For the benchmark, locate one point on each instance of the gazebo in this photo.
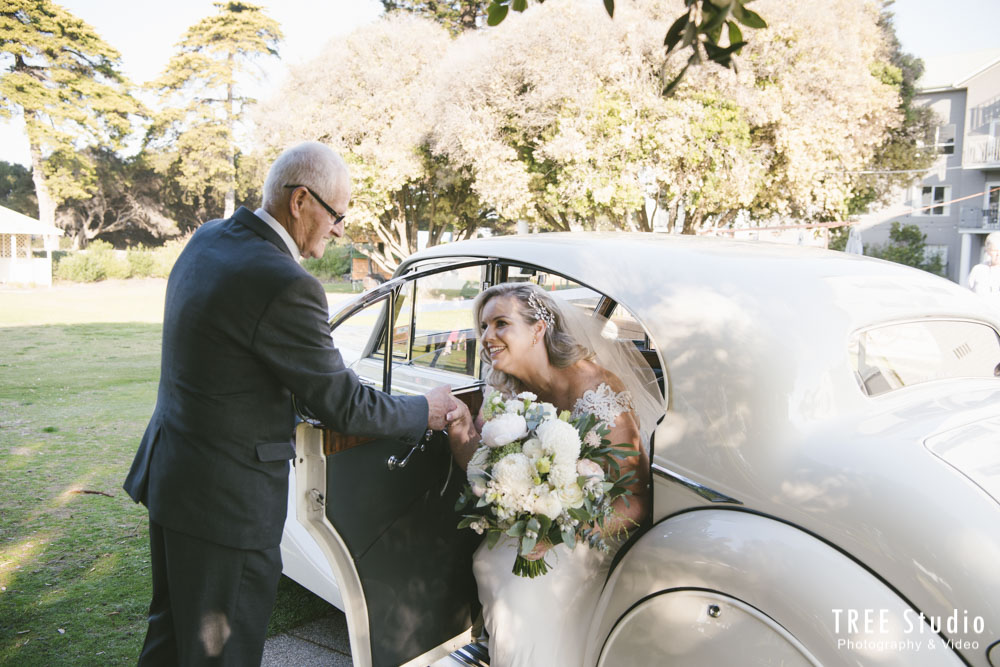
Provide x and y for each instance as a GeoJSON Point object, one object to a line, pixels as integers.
{"type": "Point", "coordinates": [17, 261]}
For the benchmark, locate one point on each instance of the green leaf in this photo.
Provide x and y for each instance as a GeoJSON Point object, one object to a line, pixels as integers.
{"type": "Point", "coordinates": [496, 13]}
{"type": "Point", "coordinates": [527, 544]}
{"type": "Point", "coordinates": [569, 537]}
{"type": "Point", "coordinates": [735, 34]}
{"type": "Point", "coordinates": [519, 5]}
{"type": "Point", "coordinates": [674, 33]}
{"type": "Point", "coordinates": [466, 522]}
{"type": "Point", "coordinates": [517, 530]}
{"type": "Point", "coordinates": [747, 17]}
{"type": "Point", "coordinates": [610, 6]}
{"type": "Point", "coordinates": [491, 538]}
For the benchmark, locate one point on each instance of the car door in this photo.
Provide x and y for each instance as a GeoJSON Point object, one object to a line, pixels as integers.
{"type": "Point", "coordinates": [383, 510]}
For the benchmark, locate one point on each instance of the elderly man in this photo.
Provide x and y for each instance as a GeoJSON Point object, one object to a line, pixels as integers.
{"type": "Point", "coordinates": [244, 327]}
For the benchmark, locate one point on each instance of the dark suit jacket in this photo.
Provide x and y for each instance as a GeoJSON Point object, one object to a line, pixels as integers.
{"type": "Point", "coordinates": [244, 325]}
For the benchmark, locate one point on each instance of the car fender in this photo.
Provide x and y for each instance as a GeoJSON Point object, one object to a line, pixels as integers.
{"type": "Point", "coordinates": [724, 586]}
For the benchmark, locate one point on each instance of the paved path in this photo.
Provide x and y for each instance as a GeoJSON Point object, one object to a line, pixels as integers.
{"type": "Point", "coordinates": [320, 642]}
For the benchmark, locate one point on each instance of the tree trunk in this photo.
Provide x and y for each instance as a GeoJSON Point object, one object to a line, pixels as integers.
{"type": "Point", "coordinates": [230, 200]}
{"type": "Point", "coordinates": [46, 205]}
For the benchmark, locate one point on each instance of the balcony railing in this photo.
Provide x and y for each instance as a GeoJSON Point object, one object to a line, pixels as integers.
{"type": "Point", "coordinates": [981, 151]}
{"type": "Point", "coordinates": [972, 217]}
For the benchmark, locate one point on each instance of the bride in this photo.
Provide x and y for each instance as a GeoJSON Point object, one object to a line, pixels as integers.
{"type": "Point", "coordinates": [533, 342]}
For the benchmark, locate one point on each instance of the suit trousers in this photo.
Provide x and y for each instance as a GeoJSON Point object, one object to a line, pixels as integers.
{"type": "Point", "coordinates": [211, 603]}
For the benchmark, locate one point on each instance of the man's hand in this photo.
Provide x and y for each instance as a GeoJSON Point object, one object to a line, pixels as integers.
{"type": "Point", "coordinates": [439, 403]}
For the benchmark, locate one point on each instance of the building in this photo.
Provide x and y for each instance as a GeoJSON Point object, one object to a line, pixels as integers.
{"type": "Point", "coordinates": [18, 263]}
{"type": "Point", "coordinates": [956, 203]}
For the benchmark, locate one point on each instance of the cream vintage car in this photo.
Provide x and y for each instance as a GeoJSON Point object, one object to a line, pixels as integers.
{"type": "Point", "coordinates": [826, 473]}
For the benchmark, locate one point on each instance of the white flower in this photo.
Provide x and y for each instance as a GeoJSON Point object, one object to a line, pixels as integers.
{"type": "Point", "coordinates": [588, 468]}
{"type": "Point", "coordinates": [560, 439]}
{"type": "Point", "coordinates": [548, 411]}
{"type": "Point", "coordinates": [514, 407]}
{"type": "Point", "coordinates": [548, 504]}
{"type": "Point", "coordinates": [503, 430]}
{"type": "Point", "coordinates": [562, 474]}
{"type": "Point", "coordinates": [527, 396]}
{"type": "Point", "coordinates": [532, 448]}
{"type": "Point", "coordinates": [570, 495]}
{"type": "Point", "coordinates": [513, 474]}
{"type": "Point", "coordinates": [479, 525]}
{"type": "Point", "coordinates": [592, 439]}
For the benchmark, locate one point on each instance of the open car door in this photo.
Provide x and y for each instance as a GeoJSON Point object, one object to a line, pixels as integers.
{"type": "Point", "coordinates": [383, 511]}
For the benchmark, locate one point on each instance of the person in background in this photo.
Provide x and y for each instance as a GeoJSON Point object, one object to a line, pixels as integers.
{"type": "Point", "coordinates": [985, 277]}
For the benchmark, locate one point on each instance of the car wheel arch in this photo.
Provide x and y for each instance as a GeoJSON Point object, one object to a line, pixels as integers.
{"type": "Point", "coordinates": [785, 573]}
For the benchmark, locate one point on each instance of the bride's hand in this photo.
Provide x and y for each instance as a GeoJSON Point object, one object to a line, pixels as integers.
{"type": "Point", "coordinates": [539, 551]}
{"type": "Point", "coordinates": [462, 434]}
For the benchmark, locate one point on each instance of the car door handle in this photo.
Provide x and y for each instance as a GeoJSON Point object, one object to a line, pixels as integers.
{"type": "Point", "coordinates": [393, 462]}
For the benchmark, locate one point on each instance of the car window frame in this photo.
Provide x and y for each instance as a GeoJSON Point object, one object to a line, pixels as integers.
{"type": "Point", "coordinates": [857, 333]}
{"type": "Point", "coordinates": [390, 290]}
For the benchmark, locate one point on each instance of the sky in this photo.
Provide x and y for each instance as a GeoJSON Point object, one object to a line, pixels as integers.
{"type": "Point", "coordinates": [145, 34]}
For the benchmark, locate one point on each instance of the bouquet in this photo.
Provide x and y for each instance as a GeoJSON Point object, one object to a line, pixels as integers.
{"type": "Point", "coordinates": [541, 476]}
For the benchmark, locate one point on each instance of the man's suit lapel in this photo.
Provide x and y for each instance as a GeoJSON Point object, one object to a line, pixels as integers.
{"type": "Point", "coordinates": [245, 217]}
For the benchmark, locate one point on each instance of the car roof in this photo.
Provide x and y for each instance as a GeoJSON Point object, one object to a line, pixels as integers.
{"type": "Point", "coordinates": [663, 278]}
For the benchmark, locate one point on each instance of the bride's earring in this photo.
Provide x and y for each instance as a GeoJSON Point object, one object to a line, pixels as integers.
{"type": "Point", "coordinates": [534, 340]}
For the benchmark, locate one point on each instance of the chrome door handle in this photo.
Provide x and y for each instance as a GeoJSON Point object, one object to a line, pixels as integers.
{"type": "Point", "coordinates": [393, 462]}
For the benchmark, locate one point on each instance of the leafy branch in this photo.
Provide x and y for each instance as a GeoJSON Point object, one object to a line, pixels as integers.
{"type": "Point", "coordinates": [700, 29]}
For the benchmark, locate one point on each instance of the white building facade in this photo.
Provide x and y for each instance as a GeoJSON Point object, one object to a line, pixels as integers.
{"type": "Point", "coordinates": [956, 203]}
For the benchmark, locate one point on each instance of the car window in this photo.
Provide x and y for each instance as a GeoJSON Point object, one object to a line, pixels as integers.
{"type": "Point", "coordinates": [354, 335]}
{"type": "Point", "coordinates": [902, 354]}
{"type": "Point", "coordinates": [568, 290]}
{"type": "Point", "coordinates": [626, 327]}
{"type": "Point", "coordinates": [443, 336]}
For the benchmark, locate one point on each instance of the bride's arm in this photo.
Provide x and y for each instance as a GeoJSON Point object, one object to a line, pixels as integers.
{"type": "Point", "coordinates": [628, 517]}
{"type": "Point", "coordinates": [463, 434]}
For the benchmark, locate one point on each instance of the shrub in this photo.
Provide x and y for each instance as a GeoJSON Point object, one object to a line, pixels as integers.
{"type": "Point", "coordinates": [141, 262]}
{"type": "Point", "coordinates": [334, 264]}
{"type": "Point", "coordinates": [907, 246]}
{"type": "Point", "coordinates": [100, 261]}
{"type": "Point", "coordinates": [97, 262]}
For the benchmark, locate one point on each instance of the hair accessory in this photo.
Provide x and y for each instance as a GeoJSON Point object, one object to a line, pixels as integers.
{"type": "Point", "coordinates": [540, 311]}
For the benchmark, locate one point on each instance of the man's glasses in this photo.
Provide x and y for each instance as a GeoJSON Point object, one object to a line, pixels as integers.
{"type": "Point", "coordinates": [337, 217]}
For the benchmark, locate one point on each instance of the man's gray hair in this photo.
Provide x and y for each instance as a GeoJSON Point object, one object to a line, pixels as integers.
{"type": "Point", "coordinates": [311, 163]}
{"type": "Point", "coordinates": [993, 240]}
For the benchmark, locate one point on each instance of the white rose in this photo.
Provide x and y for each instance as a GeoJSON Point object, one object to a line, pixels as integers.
{"type": "Point", "coordinates": [513, 474]}
{"type": "Point", "coordinates": [589, 468]}
{"type": "Point", "coordinates": [527, 396]}
{"type": "Point", "coordinates": [514, 407]}
{"type": "Point", "coordinates": [548, 504]}
{"type": "Point", "coordinates": [570, 495]}
{"type": "Point", "coordinates": [561, 439]}
{"type": "Point", "coordinates": [503, 430]}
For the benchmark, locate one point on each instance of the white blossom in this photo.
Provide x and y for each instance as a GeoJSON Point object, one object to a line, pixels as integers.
{"type": "Point", "coordinates": [560, 439]}
{"type": "Point", "coordinates": [504, 429]}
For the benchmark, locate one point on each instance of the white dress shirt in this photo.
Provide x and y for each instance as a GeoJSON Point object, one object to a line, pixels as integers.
{"type": "Point", "coordinates": [282, 232]}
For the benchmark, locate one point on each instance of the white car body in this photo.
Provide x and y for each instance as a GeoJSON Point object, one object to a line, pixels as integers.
{"type": "Point", "coordinates": [796, 520]}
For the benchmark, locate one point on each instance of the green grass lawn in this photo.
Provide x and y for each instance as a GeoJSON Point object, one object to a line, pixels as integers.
{"type": "Point", "coordinates": [74, 549]}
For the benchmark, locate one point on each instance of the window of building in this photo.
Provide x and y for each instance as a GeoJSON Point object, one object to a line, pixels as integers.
{"type": "Point", "coordinates": [934, 200]}
{"type": "Point", "coordinates": [944, 140]}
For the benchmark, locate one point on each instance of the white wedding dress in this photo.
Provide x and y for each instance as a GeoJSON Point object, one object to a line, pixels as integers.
{"type": "Point", "coordinates": [545, 621]}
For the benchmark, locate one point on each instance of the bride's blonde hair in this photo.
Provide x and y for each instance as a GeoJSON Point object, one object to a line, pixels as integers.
{"type": "Point", "coordinates": [533, 304]}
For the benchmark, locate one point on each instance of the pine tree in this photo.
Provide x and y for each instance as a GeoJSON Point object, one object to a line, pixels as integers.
{"type": "Point", "coordinates": [66, 83]}
{"type": "Point", "coordinates": [194, 135]}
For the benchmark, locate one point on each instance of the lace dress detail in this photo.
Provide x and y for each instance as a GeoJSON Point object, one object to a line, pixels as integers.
{"type": "Point", "coordinates": [604, 402]}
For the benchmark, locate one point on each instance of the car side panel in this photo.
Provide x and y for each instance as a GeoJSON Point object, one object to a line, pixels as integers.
{"type": "Point", "coordinates": [789, 576]}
